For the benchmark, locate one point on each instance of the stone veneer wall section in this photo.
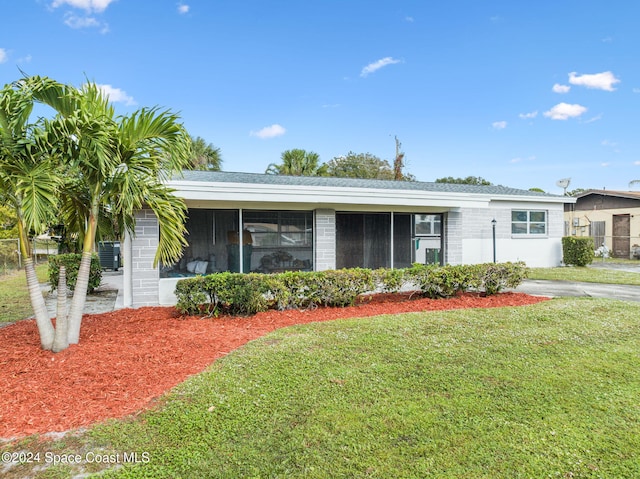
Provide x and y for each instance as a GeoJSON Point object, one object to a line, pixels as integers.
{"type": "Point", "coordinates": [144, 277]}
{"type": "Point", "coordinates": [325, 238]}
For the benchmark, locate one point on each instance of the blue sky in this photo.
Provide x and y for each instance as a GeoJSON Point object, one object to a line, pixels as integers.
{"type": "Point", "coordinates": [520, 93]}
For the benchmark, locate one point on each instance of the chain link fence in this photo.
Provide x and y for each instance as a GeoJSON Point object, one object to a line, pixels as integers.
{"type": "Point", "coordinates": [11, 260]}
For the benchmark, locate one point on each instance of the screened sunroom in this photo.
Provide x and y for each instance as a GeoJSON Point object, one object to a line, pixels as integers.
{"type": "Point", "coordinates": [267, 241]}
{"type": "Point", "coordinates": [245, 240]}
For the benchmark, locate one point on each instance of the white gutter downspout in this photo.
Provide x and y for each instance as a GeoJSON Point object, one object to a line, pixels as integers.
{"type": "Point", "coordinates": [241, 241]}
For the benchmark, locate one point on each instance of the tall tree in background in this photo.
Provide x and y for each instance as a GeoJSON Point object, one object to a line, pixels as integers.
{"type": "Point", "coordinates": [469, 180]}
{"type": "Point", "coordinates": [8, 223]}
{"type": "Point", "coordinates": [360, 165]}
{"type": "Point", "coordinates": [298, 162]}
{"type": "Point", "coordinates": [398, 162]}
{"type": "Point", "coordinates": [204, 156]}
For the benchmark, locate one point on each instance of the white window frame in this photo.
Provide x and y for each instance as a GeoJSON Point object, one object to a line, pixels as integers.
{"type": "Point", "coordinates": [528, 223]}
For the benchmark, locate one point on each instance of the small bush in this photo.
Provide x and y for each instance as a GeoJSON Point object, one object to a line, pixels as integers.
{"type": "Point", "coordinates": [72, 264]}
{"type": "Point", "coordinates": [577, 250]}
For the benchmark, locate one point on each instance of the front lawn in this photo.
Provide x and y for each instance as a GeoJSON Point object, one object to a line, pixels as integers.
{"type": "Point", "coordinates": [549, 390]}
{"type": "Point", "coordinates": [14, 295]}
{"type": "Point", "coordinates": [586, 274]}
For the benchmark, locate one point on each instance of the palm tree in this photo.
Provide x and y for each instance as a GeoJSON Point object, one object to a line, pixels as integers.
{"type": "Point", "coordinates": [120, 164]}
{"type": "Point", "coordinates": [27, 181]}
{"type": "Point", "coordinates": [298, 162]}
{"type": "Point", "coordinates": [204, 156]}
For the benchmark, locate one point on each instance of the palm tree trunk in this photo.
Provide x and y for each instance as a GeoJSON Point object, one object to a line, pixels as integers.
{"type": "Point", "coordinates": [82, 282]}
{"type": "Point", "coordinates": [61, 340]}
{"type": "Point", "coordinates": [79, 298]}
{"type": "Point", "coordinates": [43, 321]}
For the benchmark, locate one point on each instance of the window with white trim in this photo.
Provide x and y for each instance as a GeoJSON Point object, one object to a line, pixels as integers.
{"type": "Point", "coordinates": [528, 222]}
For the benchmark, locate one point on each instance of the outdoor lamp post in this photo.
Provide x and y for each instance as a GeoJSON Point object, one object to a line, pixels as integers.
{"type": "Point", "coordinates": [493, 227]}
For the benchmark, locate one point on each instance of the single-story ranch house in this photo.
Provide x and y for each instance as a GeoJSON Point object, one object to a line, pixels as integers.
{"type": "Point", "coordinates": [611, 218]}
{"type": "Point", "coordinates": [271, 223]}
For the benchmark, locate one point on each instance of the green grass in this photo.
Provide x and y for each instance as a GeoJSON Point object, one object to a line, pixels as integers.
{"type": "Point", "coordinates": [549, 390]}
{"type": "Point", "coordinates": [14, 295]}
{"type": "Point", "coordinates": [586, 274]}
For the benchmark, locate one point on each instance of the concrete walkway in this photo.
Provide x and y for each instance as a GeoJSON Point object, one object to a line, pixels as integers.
{"type": "Point", "coordinates": [107, 297]}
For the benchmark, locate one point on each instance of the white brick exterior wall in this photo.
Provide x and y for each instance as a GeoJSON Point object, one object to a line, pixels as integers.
{"type": "Point", "coordinates": [325, 238]}
{"type": "Point", "coordinates": [453, 237]}
{"type": "Point", "coordinates": [144, 277]}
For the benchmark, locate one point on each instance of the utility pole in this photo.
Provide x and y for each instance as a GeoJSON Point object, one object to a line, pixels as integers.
{"type": "Point", "coordinates": [398, 162]}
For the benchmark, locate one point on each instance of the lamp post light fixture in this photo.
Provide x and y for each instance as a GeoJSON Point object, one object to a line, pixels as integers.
{"type": "Point", "coordinates": [493, 227]}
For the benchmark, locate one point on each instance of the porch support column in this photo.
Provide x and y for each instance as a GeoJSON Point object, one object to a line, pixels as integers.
{"type": "Point", "coordinates": [324, 237]}
{"type": "Point", "coordinates": [127, 275]}
{"type": "Point", "coordinates": [391, 243]}
{"type": "Point", "coordinates": [241, 241]}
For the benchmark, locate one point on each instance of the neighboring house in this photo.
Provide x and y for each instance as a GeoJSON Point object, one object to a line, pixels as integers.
{"type": "Point", "coordinates": [611, 218]}
{"type": "Point", "coordinates": [271, 223]}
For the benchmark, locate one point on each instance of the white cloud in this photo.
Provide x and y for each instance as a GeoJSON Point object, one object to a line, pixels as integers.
{"type": "Point", "coordinates": [637, 163]}
{"type": "Point", "coordinates": [73, 21]}
{"type": "Point", "coordinates": [636, 90]}
{"type": "Point", "coordinates": [499, 125]}
{"type": "Point", "coordinates": [611, 144]}
{"type": "Point", "coordinates": [269, 131]}
{"type": "Point", "coordinates": [408, 19]}
{"type": "Point", "coordinates": [87, 5]}
{"type": "Point", "coordinates": [26, 59]}
{"type": "Point", "coordinates": [564, 111]}
{"type": "Point", "coordinates": [595, 118]}
{"type": "Point", "coordinates": [182, 8]}
{"type": "Point", "coordinates": [599, 81]}
{"type": "Point", "coordinates": [605, 164]}
{"type": "Point", "coordinates": [116, 95]}
{"type": "Point", "coordinates": [557, 88]}
{"type": "Point", "coordinates": [377, 65]}
{"type": "Point", "coordinates": [4, 56]}
{"type": "Point", "coordinates": [526, 116]}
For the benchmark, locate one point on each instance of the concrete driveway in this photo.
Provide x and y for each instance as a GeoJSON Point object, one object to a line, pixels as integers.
{"type": "Point", "coordinates": [593, 290]}
{"type": "Point", "coordinates": [556, 289]}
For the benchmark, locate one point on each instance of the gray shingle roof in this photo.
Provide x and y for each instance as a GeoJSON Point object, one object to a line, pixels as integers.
{"type": "Point", "coordinates": [257, 178]}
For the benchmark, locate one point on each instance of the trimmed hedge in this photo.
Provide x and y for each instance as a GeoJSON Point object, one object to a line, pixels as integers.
{"type": "Point", "coordinates": [247, 294]}
{"type": "Point", "coordinates": [72, 264]}
{"type": "Point", "coordinates": [577, 250]}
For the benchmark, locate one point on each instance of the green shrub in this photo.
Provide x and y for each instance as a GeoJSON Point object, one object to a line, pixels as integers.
{"type": "Point", "coordinates": [231, 293]}
{"type": "Point", "coordinates": [72, 264]}
{"type": "Point", "coordinates": [342, 287]}
{"type": "Point", "coordinates": [436, 281]}
{"type": "Point", "coordinates": [494, 277]}
{"type": "Point", "coordinates": [577, 250]}
{"type": "Point", "coordinates": [246, 294]}
{"type": "Point", "coordinates": [390, 280]}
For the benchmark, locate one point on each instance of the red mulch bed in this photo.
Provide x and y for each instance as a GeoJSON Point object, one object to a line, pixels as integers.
{"type": "Point", "coordinates": [128, 358]}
